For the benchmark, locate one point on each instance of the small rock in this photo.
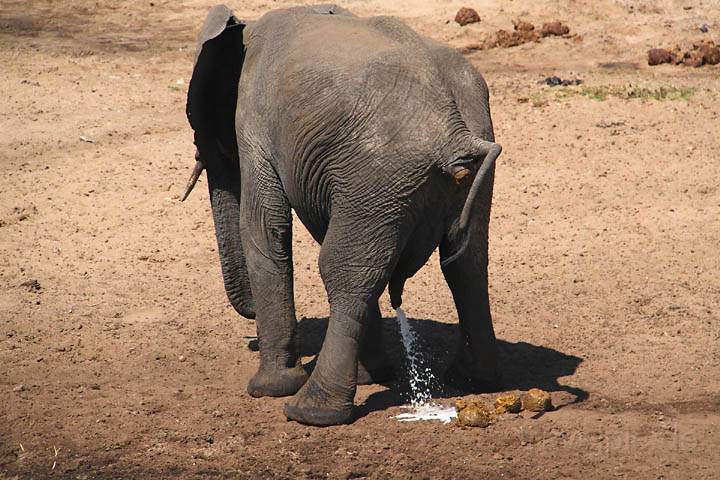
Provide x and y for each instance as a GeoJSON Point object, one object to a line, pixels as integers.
{"type": "Point", "coordinates": [556, 28]}
{"type": "Point", "coordinates": [19, 388]}
{"type": "Point", "coordinates": [466, 15]}
{"type": "Point", "coordinates": [536, 400]}
{"type": "Point", "coordinates": [209, 439]}
{"type": "Point", "coordinates": [31, 285]}
{"type": "Point", "coordinates": [704, 28]}
{"type": "Point", "coordinates": [85, 139]}
{"type": "Point", "coordinates": [657, 56]}
{"type": "Point", "coordinates": [181, 358]}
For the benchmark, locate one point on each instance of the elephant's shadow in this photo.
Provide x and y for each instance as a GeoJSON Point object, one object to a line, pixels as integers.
{"type": "Point", "coordinates": [523, 365]}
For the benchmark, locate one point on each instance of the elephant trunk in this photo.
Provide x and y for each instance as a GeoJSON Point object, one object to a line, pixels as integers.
{"type": "Point", "coordinates": [224, 186]}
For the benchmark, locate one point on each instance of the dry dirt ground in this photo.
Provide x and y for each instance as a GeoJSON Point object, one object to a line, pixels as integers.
{"type": "Point", "coordinates": [125, 360]}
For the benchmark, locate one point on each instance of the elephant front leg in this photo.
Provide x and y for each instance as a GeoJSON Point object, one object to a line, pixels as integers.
{"type": "Point", "coordinates": [267, 240]}
{"type": "Point", "coordinates": [475, 367]}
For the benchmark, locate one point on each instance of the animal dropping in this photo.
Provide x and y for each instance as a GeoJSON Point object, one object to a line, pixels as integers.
{"type": "Point", "coordinates": [536, 400]}
{"type": "Point", "coordinates": [466, 16]}
{"type": "Point", "coordinates": [508, 403]}
{"type": "Point", "coordinates": [556, 28]}
{"type": "Point", "coordinates": [473, 414]}
{"type": "Point", "coordinates": [701, 53]}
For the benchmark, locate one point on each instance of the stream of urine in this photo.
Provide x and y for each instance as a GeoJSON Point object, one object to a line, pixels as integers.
{"type": "Point", "coordinates": [421, 406]}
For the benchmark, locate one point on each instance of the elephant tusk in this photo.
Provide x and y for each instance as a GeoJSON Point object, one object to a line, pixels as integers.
{"type": "Point", "coordinates": [199, 167]}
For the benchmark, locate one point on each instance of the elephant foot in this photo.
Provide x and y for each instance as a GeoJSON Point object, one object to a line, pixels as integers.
{"type": "Point", "coordinates": [313, 406]}
{"type": "Point", "coordinates": [372, 375]}
{"type": "Point", "coordinates": [277, 383]}
{"type": "Point", "coordinates": [473, 379]}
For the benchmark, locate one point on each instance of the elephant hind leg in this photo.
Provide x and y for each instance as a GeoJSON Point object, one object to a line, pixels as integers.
{"type": "Point", "coordinates": [355, 274]}
{"type": "Point", "coordinates": [475, 367]}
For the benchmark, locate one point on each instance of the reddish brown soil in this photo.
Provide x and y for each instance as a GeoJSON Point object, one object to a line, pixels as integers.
{"type": "Point", "coordinates": [604, 260]}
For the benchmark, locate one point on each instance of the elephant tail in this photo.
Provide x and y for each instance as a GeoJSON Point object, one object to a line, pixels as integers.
{"type": "Point", "coordinates": [488, 152]}
{"type": "Point", "coordinates": [485, 153]}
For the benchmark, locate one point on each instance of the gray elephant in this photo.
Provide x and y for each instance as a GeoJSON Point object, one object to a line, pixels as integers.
{"type": "Point", "coordinates": [381, 141]}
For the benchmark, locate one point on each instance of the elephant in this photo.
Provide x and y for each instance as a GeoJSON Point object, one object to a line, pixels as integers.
{"type": "Point", "coordinates": [381, 142]}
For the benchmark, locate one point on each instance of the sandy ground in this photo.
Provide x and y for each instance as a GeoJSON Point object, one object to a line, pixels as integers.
{"type": "Point", "coordinates": [125, 360]}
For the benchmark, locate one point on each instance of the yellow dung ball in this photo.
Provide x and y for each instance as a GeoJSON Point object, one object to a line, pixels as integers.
{"type": "Point", "coordinates": [473, 414]}
{"type": "Point", "coordinates": [508, 403]}
{"type": "Point", "coordinates": [536, 400]}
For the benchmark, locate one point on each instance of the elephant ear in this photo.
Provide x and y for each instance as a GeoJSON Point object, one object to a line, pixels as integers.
{"type": "Point", "coordinates": [213, 89]}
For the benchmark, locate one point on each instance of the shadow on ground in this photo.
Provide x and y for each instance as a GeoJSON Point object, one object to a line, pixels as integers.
{"type": "Point", "coordinates": [523, 365]}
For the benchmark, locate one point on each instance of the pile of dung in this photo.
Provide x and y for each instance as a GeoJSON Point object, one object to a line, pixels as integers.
{"type": "Point", "coordinates": [523, 32]}
{"type": "Point", "coordinates": [704, 52]}
{"type": "Point", "coordinates": [475, 413]}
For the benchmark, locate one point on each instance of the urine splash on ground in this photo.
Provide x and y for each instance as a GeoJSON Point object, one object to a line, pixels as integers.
{"type": "Point", "coordinates": [422, 381]}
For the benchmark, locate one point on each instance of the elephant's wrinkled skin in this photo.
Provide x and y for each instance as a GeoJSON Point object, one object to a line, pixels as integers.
{"type": "Point", "coordinates": [381, 141]}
